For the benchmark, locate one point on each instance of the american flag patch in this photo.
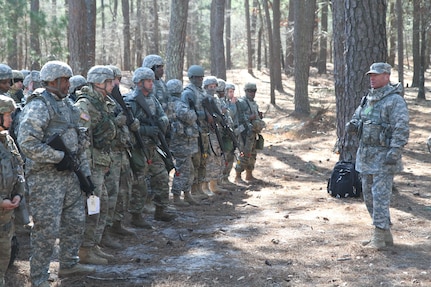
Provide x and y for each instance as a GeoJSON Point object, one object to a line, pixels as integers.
{"type": "Point", "coordinates": [85, 117]}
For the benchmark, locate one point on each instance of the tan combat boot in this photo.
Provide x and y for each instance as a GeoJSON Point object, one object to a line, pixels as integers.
{"type": "Point", "coordinates": [249, 175]}
{"type": "Point", "coordinates": [139, 222]}
{"type": "Point", "coordinates": [215, 188]}
{"type": "Point", "coordinates": [238, 178]}
{"type": "Point", "coordinates": [198, 192]}
{"type": "Point", "coordinates": [161, 215]}
{"type": "Point", "coordinates": [189, 198]}
{"type": "Point", "coordinates": [179, 202]}
{"type": "Point", "coordinates": [118, 229]}
{"type": "Point", "coordinates": [109, 241]}
{"type": "Point", "coordinates": [149, 207]}
{"type": "Point", "coordinates": [77, 269]}
{"type": "Point", "coordinates": [389, 240]}
{"type": "Point", "coordinates": [206, 189]}
{"type": "Point", "coordinates": [378, 240]}
{"type": "Point", "coordinates": [99, 252]}
{"type": "Point", "coordinates": [87, 255]}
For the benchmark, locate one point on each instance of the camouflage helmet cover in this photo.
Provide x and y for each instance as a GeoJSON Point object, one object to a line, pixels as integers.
{"type": "Point", "coordinates": [17, 75]}
{"type": "Point", "coordinates": [229, 86]}
{"type": "Point", "coordinates": [174, 86]}
{"type": "Point", "coordinates": [195, 71]}
{"type": "Point", "coordinates": [7, 104]}
{"type": "Point", "coordinates": [53, 70]}
{"type": "Point", "coordinates": [27, 80]}
{"type": "Point", "coordinates": [75, 82]}
{"type": "Point", "coordinates": [99, 74]}
{"type": "Point", "coordinates": [35, 76]}
{"type": "Point", "coordinates": [250, 86]}
{"type": "Point", "coordinates": [221, 85]}
{"type": "Point", "coordinates": [210, 80]}
{"type": "Point", "coordinates": [116, 70]}
{"type": "Point", "coordinates": [25, 72]}
{"type": "Point", "coordinates": [5, 72]}
{"type": "Point", "coordinates": [152, 60]}
{"type": "Point", "coordinates": [143, 73]}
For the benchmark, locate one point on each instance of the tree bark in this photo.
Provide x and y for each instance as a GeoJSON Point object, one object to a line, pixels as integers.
{"type": "Point", "coordinates": [323, 51]}
{"type": "Point", "coordinates": [126, 35]}
{"type": "Point", "coordinates": [218, 60]}
{"type": "Point", "coordinates": [35, 52]}
{"type": "Point", "coordinates": [248, 33]}
{"type": "Point", "coordinates": [228, 34]}
{"type": "Point", "coordinates": [400, 42]}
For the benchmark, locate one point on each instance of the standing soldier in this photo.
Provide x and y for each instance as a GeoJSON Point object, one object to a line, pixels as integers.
{"type": "Point", "coordinates": [184, 143]}
{"type": "Point", "coordinates": [146, 160]}
{"type": "Point", "coordinates": [77, 82]}
{"type": "Point", "coordinates": [56, 202]}
{"type": "Point", "coordinates": [160, 91]}
{"type": "Point", "coordinates": [5, 78]}
{"type": "Point", "coordinates": [15, 91]}
{"type": "Point", "coordinates": [12, 183]}
{"type": "Point", "coordinates": [96, 116]}
{"type": "Point", "coordinates": [251, 120]}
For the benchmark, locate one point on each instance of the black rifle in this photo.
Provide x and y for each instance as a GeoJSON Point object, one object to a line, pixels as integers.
{"type": "Point", "coordinates": [211, 107]}
{"type": "Point", "coordinates": [57, 143]}
{"type": "Point", "coordinates": [200, 142]}
{"type": "Point", "coordinates": [160, 141]}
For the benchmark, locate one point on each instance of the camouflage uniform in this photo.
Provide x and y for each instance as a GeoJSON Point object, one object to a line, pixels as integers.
{"type": "Point", "coordinates": [160, 90]}
{"type": "Point", "coordinates": [11, 185]}
{"type": "Point", "coordinates": [56, 201]}
{"type": "Point", "coordinates": [96, 115]}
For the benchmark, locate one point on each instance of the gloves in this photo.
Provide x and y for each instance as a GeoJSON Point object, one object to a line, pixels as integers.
{"type": "Point", "coordinates": [393, 156]}
{"type": "Point", "coordinates": [65, 164]}
{"type": "Point", "coordinates": [134, 126]}
{"type": "Point", "coordinates": [120, 120]}
{"type": "Point", "coordinates": [149, 131]}
{"type": "Point", "coordinates": [88, 187]}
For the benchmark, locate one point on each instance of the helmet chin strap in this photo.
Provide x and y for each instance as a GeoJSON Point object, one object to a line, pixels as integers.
{"type": "Point", "coordinates": [102, 89]}
{"type": "Point", "coordinates": [56, 90]}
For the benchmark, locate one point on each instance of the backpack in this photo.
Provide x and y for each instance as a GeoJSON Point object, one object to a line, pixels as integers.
{"type": "Point", "coordinates": [344, 181]}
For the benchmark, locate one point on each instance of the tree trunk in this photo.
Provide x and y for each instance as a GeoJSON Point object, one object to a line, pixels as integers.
{"type": "Point", "coordinates": [248, 33]}
{"type": "Point", "coordinates": [177, 39]}
{"type": "Point", "coordinates": [277, 51]}
{"type": "Point", "coordinates": [303, 35]}
{"type": "Point", "coordinates": [90, 34]}
{"type": "Point", "coordinates": [423, 41]}
{"type": "Point", "coordinates": [138, 39]}
{"type": "Point", "coordinates": [156, 31]}
{"type": "Point", "coordinates": [35, 51]}
{"type": "Point", "coordinates": [228, 34]}
{"type": "Point", "coordinates": [323, 51]}
{"type": "Point", "coordinates": [416, 42]}
{"type": "Point", "coordinates": [126, 35]}
{"type": "Point", "coordinates": [77, 36]}
{"type": "Point", "coordinates": [218, 61]}
{"type": "Point", "coordinates": [271, 50]}
{"type": "Point", "coordinates": [392, 33]}
{"type": "Point", "coordinates": [400, 42]}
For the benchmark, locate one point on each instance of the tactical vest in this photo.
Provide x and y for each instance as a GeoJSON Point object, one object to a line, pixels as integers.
{"type": "Point", "coordinates": [10, 165]}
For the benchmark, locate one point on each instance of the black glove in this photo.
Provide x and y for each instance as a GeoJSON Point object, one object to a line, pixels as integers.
{"type": "Point", "coordinates": [392, 156]}
{"type": "Point", "coordinates": [150, 131]}
{"type": "Point", "coordinates": [88, 187]}
{"type": "Point", "coordinates": [65, 164]}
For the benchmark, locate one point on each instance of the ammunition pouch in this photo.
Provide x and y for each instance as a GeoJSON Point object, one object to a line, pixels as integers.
{"type": "Point", "coordinates": [260, 141]}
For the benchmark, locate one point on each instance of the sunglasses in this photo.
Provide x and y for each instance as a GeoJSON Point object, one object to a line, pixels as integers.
{"type": "Point", "coordinates": [251, 91]}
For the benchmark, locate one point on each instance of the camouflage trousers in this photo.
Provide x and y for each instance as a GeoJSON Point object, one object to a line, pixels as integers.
{"type": "Point", "coordinates": [57, 207]}
{"type": "Point", "coordinates": [6, 233]}
{"type": "Point", "coordinates": [230, 159]}
{"type": "Point", "coordinates": [158, 182]}
{"type": "Point", "coordinates": [247, 158]}
{"type": "Point", "coordinates": [183, 177]}
{"type": "Point", "coordinates": [199, 160]}
{"type": "Point", "coordinates": [377, 191]}
{"type": "Point", "coordinates": [118, 185]}
{"type": "Point", "coordinates": [95, 224]}
{"type": "Point", "coordinates": [215, 162]}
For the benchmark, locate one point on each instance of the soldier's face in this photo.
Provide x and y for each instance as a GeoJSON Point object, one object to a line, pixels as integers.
{"type": "Point", "coordinates": [158, 71]}
{"type": "Point", "coordinates": [379, 80]}
{"type": "Point", "coordinates": [64, 85]}
{"type": "Point", "coordinates": [7, 120]}
{"type": "Point", "coordinates": [230, 93]}
{"type": "Point", "coordinates": [4, 85]}
{"type": "Point", "coordinates": [250, 94]}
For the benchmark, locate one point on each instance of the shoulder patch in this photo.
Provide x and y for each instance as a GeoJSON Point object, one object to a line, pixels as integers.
{"type": "Point", "coordinates": [85, 117]}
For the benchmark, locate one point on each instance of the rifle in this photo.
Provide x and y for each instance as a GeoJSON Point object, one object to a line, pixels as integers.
{"type": "Point", "coordinates": [86, 184]}
{"type": "Point", "coordinates": [211, 107]}
{"type": "Point", "coordinates": [201, 145]}
{"type": "Point", "coordinates": [160, 141]}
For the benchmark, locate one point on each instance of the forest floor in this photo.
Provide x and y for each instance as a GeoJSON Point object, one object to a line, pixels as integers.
{"type": "Point", "coordinates": [284, 230]}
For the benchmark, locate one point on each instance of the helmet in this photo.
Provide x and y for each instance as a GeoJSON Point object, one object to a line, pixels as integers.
{"type": "Point", "coordinates": [143, 74]}
{"type": "Point", "coordinates": [5, 72]}
{"type": "Point", "coordinates": [99, 74]}
{"type": "Point", "coordinates": [152, 60]}
{"type": "Point", "coordinates": [27, 80]}
{"type": "Point", "coordinates": [25, 73]}
{"type": "Point", "coordinates": [195, 71]}
{"type": "Point", "coordinates": [7, 104]}
{"type": "Point", "coordinates": [210, 80]}
{"type": "Point", "coordinates": [221, 85]}
{"type": "Point", "coordinates": [17, 75]}
{"type": "Point", "coordinates": [174, 86]}
{"type": "Point", "coordinates": [75, 82]}
{"type": "Point", "coordinates": [229, 86]}
{"type": "Point", "coordinates": [35, 76]}
{"type": "Point", "coordinates": [116, 70]}
{"type": "Point", "coordinates": [250, 86]}
{"type": "Point", "coordinates": [53, 70]}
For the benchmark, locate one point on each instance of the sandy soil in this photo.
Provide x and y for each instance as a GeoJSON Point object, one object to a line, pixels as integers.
{"type": "Point", "coordinates": [284, 230]}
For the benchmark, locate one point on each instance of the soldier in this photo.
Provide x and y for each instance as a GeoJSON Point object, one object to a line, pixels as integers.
{"type": "Point", "coordinates": [96, 115]}
{"type": "Point", "coordinates": [184, 143]}
{"type": "Point", "coordinates": [15, 91]}
{"type": "Point", "coordinates": [382, 120]}
{"type": "Point", "coordinates": [12, 187]}
{"type": "Point", "coordinates": [146, 160]}
{"type": "Point", "coordinates": [160, 91]}
{"type": "Point", "coordinates": [56, 200]}
{"type": "Point", "coordinates": [5, 78]}
{"type": "Point", "coordinates": [77, 82]}
{"type": "Point", "coordinates": [250, 118]}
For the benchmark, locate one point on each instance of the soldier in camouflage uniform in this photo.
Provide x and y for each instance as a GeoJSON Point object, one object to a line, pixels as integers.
{"type": "Point", "coordinates": [160, 90]}
{"type": "Point", "coordinates": [77, 82]}
{"type": "Point", "coordinates": [15, 91]}
{"type": "Point", "coordinates": [5, 77]}
{"type": "Point", "coordinates": [147, 161]}
{"type": "Point", "coordinates": [96, 115]}
{"type": "Point", "coordinates": [382, 123]}
{"type": "Point", "coordinates": [184, 143]}
{"type": "Point", "coordinates": [11, 182]}
{"type": "Point", "coordinates": [56, 201]}
{"type": "Point", "coordinates": [251, 120]}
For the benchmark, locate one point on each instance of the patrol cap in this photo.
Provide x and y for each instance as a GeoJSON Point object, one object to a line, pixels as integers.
{"type": "Point", "coordinates": [380, 68]}
{"type": "Point", "coordinates": [250, 86]}
{"type": "Point", "coordinates": [99, 74]}
{"type": "Point", "coordinates": [7, 104]}
{"type": "Point", "coordinates": [143, 73]}
{"type": "Point", "coordinates": [5, 72]}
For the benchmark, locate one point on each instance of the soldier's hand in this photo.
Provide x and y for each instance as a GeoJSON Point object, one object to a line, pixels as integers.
{"type": "Point", "coordinates": [393, 155]}
{"type": "Point", "coordinates": [134, 126]}
{"type": "Point", "coordinates": [120, 120]}
{"type": "Point", "coordinates": [150, 131]}
{"type": "Point", "coordinates": [65, 164]}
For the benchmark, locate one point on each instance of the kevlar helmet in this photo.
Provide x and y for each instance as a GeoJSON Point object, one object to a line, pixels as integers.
{"type": "Point", "coordinates": [7, 104]}
{"type": "Point", "coordinates": [143, 73]}
{"type": "Point", "coordinates": [75, 82]}
{"type": "Point", "coordinates": [229, 86]}
{"type": "Point", "coordinates": [152, 60]}
{"type": "Point", "coordinates": [99, 74]}
{"type": "Point", "coordinates": [25, 73]}
{"type": "Point", "coordinates": [27, 80]}
{"type": "Point", "coordinates": [195, 71]}
{"type": "Point", "coordinates": [53, 70]}
{"type": "Point", "coordinates": [250, 86]}
{"type": "Point", "coordinates": [221, 85]}
{"type": "Point", "coordinates": [174, 86]}
{"type": "Point", "coordinates": [116, 70]}
{"type": "Point", "coordinates": [5, 72]}
{"type": "Point", "coordinates": [210, 80]}
{"type": "Point", "coordinates": [17, 76]}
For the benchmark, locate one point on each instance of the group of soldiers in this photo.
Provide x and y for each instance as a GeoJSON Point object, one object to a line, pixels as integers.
{"type": "Point", "coordinates": [80, 136]}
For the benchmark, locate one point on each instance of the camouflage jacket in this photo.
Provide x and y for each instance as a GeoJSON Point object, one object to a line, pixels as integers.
{"type": "Point", "coordinates": [11, 167]}
{"type": "Point", "coordinates": [161, 93]}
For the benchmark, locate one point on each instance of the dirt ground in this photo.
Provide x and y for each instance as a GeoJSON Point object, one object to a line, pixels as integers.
{"type": "Point", "coordinates": [284, 230]}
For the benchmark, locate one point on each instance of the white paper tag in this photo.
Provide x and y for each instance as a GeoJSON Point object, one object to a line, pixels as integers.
{"type": "Point", "coordinates": [93, 205]}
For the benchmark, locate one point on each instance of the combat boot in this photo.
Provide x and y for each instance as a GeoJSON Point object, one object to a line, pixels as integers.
{"type": "Point", "coordinates": [109, 241]}
{"type": "Point", "coordinates": [378, 240]}
{"type": "Point", "coordinates": [249, 175]}
{"type": "Point", "coordinates": [215, 188]}
{"type": "Point", "coordinates": [189, 198]}
{"type": "Point", "coordinates": [139, 222]}
{"type": "Point", "coordinates": [149, 207]}
{"type": "Point", "coordinates": [118, 229]}
{"type": "Point", "coordinates": [389, 240]}
{"type": "Point", "coordinates": [179, 202]}
{"type": "Point", "coordinates": [161, 215]}
{"type": "Point", "coordinates": [76, 269]}
{"type": "Point", "coordinates": [206, 189]}
{"type": "Point", "coordinates": [87, 255]}
{"type": "Point", "coordinates": [197, 191]}
{"type": "Point", "coordinates": [99, 252]}
{"type": "Point", "coordinates": [238, 178]}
